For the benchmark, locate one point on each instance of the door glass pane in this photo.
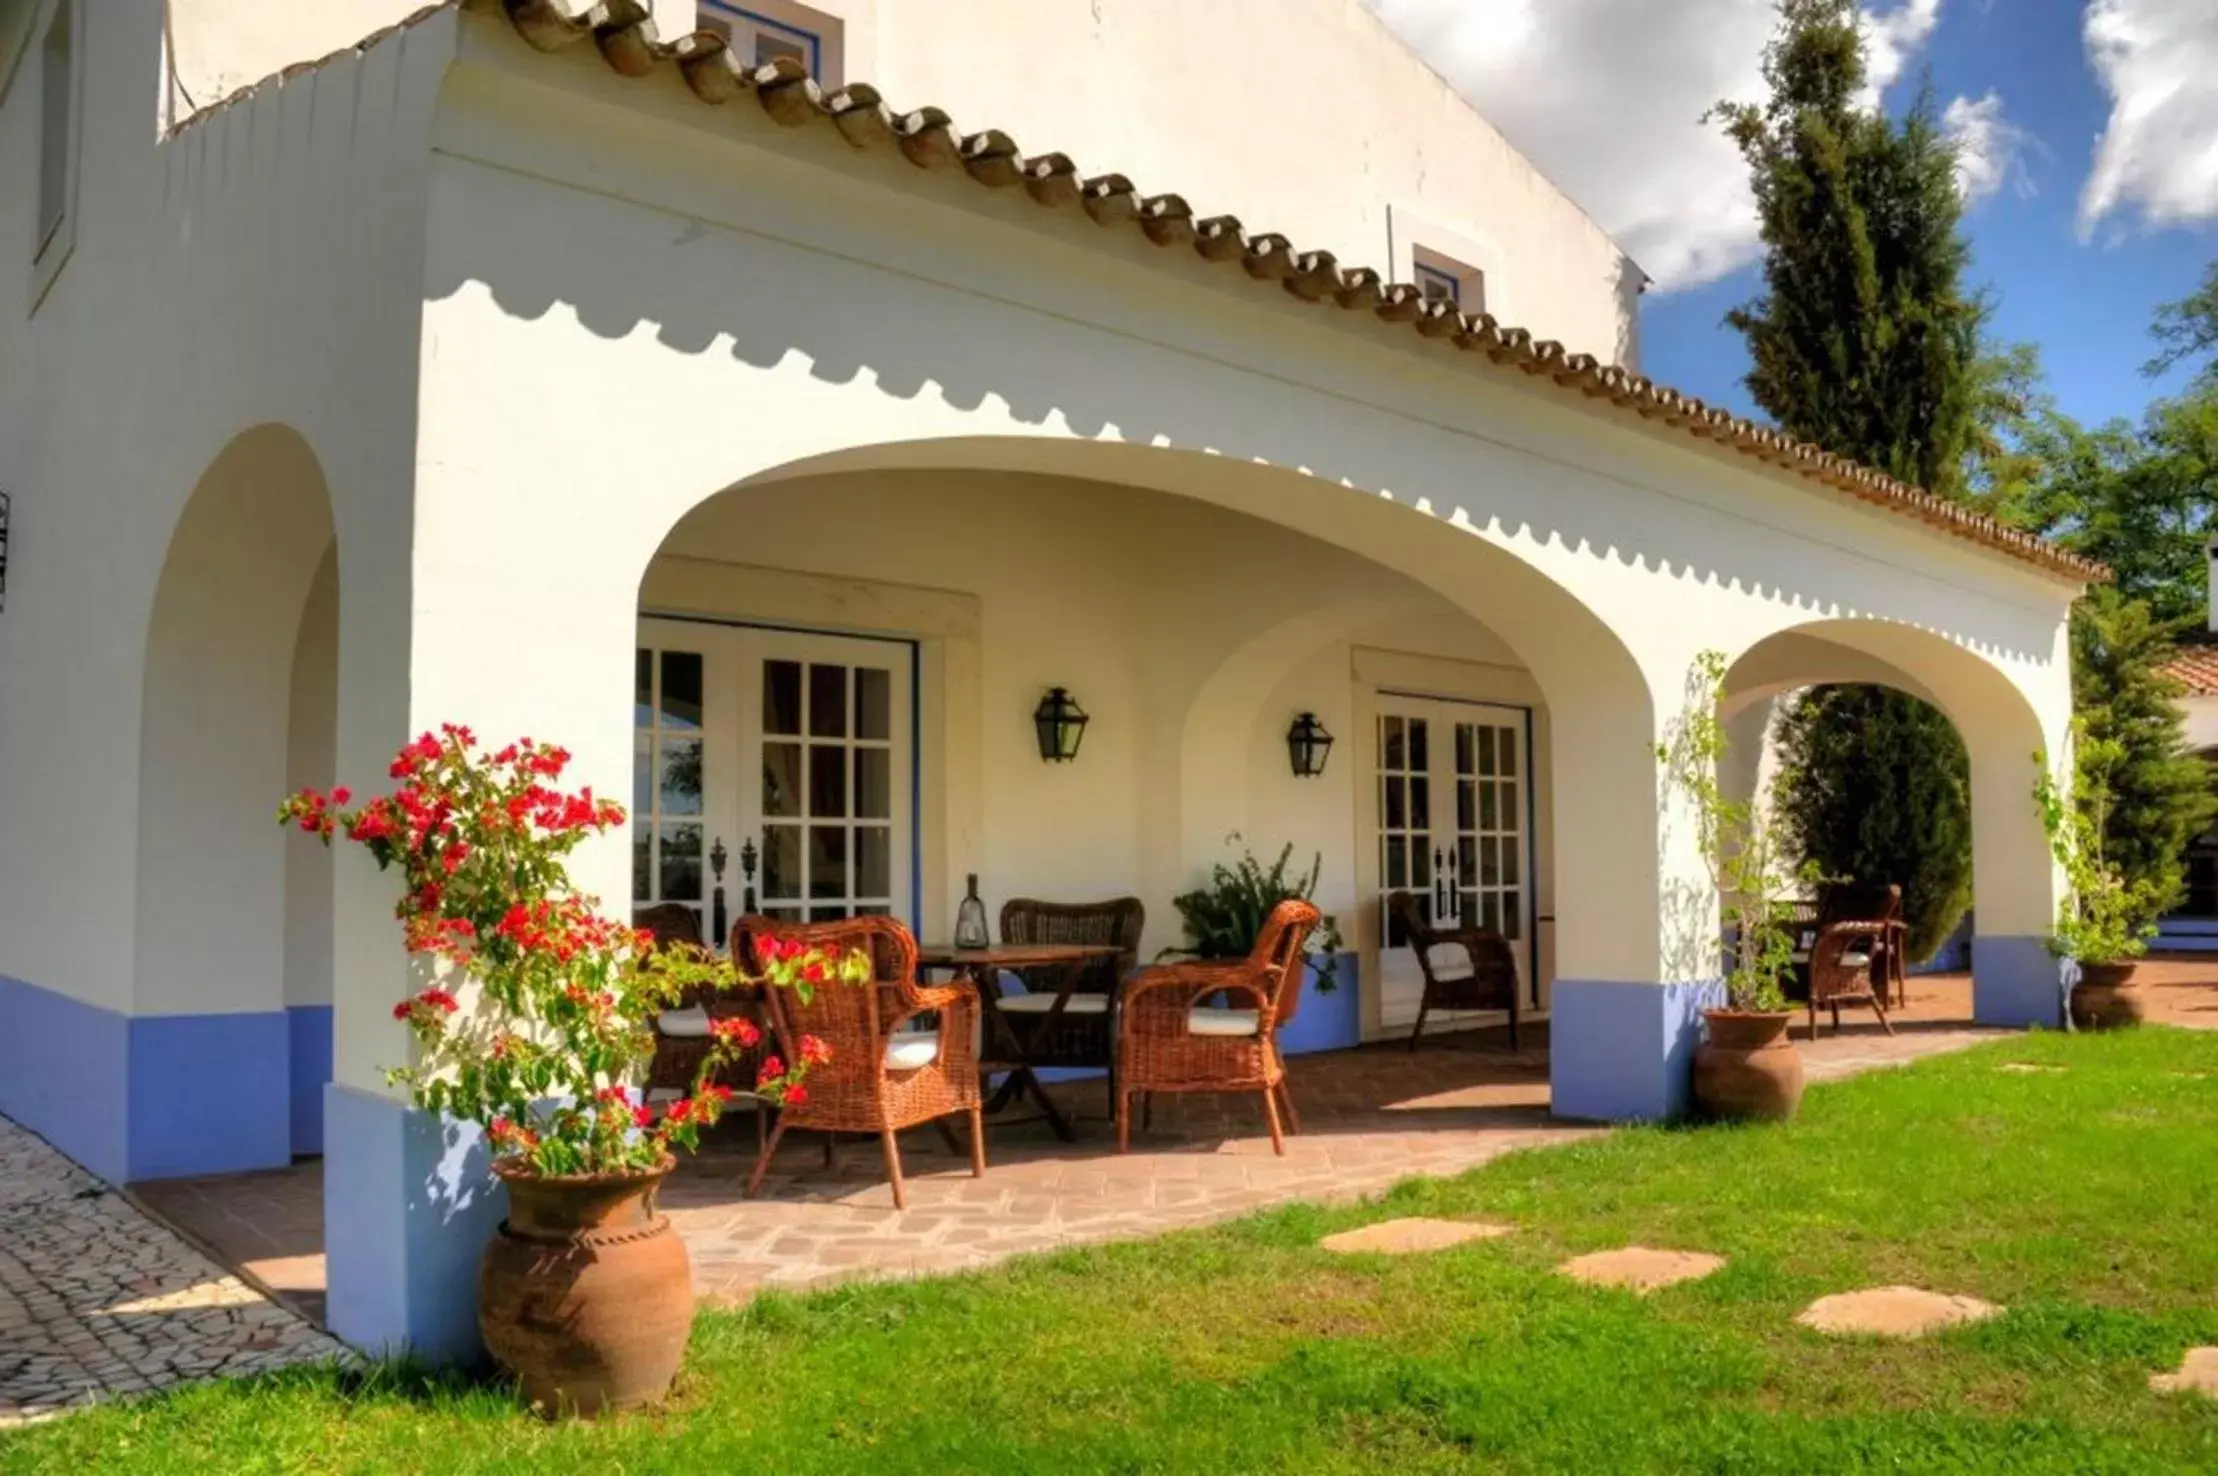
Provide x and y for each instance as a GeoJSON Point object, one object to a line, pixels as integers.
{"type": "Point", "coordinates": [681, 689]}
{"type": "Point", "coordinates": [1509, 861]}
{"type": "Point", "coordinates": [1509, 750]}
{"type": "Point", "coordinates": [1397, 863]}
{"type": "Point", "coordinates": [1512, 917]}
{"type": "Point", "coordinates": [827, 780]}
{"type": "Point", "coordinates": [643, 689]}
{"type": "Point", "coordinates": [1486, 806]}
{"type": "Point", "coordinates": [874, 783]}
{"type": "Point", "coordinates": [1397, 802]}
{"type": "Point", "coordinates": [679, 762]}
{"type": "Point", "coordinates": [781, 778]}
{"type": "Point", "coordinates": [827, 701]}
{"type": "Point", "coordinates": [1467, 909]}
{"type": "Point", "coordinates": [1390, 744]}
{"type": "Point", "coordinates": [1420, 862]}
{"type": "Point", "coordinates": [781, 697]}
{"type": "Point", "coordinates": [1420, 804]}
{"type": "Point", "coordinates": [1466, 747]}
{"type": "Point", "coordinates": [643, 777]}
{"type": "Point", "coordinates": [1467, 860]}
{"type": "Point", "coordinates": [827, 861]}
{"type": "Point", "coordinates": [781, 860]}
{"type": "Point", "coordinates": [1486, 750]}
{"type": "Point", "coordinates": [1510, 817]}
{"type": "Point", "coordinates": [681, 861]}
{"type": "Point", "coordinates": [1490, 866]}
{"type": "Point", "coordinates": [1465, 805]}
{"type": "Point", "coordinates": [873, 861]}
{"type": "Point", "coordinates": [873, 703]}
{"type": "Point", "coordinates": [1420, 757]}
{"type": "Point", "coordinates": [643, 860]}
{"type": "Point", "coordinates": [1490, 911]}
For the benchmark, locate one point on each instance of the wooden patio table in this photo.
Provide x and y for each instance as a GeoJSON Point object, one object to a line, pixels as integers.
{"type": "Point", "coordinates": [1004, 1047]}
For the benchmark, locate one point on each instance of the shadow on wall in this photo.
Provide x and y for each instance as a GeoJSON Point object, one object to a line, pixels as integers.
{"type": "Point", "coordinates": [708, 290]}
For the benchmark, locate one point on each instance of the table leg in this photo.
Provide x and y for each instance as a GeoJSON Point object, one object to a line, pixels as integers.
{"type": "Point", "coordinates": [1020, 1078]}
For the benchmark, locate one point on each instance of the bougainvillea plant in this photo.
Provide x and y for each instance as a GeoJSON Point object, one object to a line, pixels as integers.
{"type": "Point", "coordinates": [565, 998]}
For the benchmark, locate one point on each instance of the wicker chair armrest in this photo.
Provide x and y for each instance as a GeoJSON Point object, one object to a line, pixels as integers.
{"type": "Point", "coordinates": [935, 997]}
{"type": "Point", "coordinates": [1199, 979]}
{"type": "Point", "coordinates": [1877, 927]}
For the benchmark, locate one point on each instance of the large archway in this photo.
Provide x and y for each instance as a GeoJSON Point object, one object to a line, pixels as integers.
{"type": "Point", "coordinates": [232, 928]}
{"type": "Point", "coordinates": [2016, 887]}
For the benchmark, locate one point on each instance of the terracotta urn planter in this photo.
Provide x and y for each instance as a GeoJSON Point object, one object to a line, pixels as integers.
{"type": "Point", "coordinates": [586, 1294]}
{"type": "Point", "coordinates": [1748, 1069]}
{"type": "Point", "coordinates": [2108, 997]}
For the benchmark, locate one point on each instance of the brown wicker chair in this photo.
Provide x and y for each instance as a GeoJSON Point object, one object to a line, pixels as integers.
{"type": "Point", "coordinates": [1858, 952]}
{"type": "Point", "coordinates": [1170, 1040]}
{"type": "Point", "coordinates": [1490, 983]}
{"type": "Point", "coordinates": [1083, 1032]}
{"type": "Point", "coordinates": [881, 1077]}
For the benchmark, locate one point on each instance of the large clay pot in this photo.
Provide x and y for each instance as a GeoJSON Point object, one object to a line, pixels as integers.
{"type": "Point", "coordinates": [1748, 1068]}
{"type": "Point", "coordinates": [586, 1294]}
{"type": "Point", "coordinates": [2107, 997]}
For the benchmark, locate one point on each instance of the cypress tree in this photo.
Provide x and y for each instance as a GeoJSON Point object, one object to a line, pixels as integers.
{"type": "Point", "coordinates": [1864, 341]}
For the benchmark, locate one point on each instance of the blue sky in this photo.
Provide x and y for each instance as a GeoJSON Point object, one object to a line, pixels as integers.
{"type": "Point", "coordinates": [2090, 130]}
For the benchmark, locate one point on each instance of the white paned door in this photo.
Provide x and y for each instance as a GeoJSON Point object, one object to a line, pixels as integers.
{"type": "Point", "coordinates": [1451, 806]}
{"type": "Point", "coordinates": [794, 750]}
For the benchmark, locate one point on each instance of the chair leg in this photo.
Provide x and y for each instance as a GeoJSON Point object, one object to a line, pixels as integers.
{"type": "Point", "coordinates": [977, 1143]}
{"type": "Point", "coordinates": [893, 1169]}
{"type": "Point", "coordinates": [831, 1149]}
{"type": "Point", "coordinates": [1124, 1122]}
{"type": "Point", "coordinates": [1286, 1103]}
{"type": "Point", "coordinates": [1270, 1115]}
{"type": "Point", "coordinates": [1836, 1019]}
{"type": "Point", "coordinates": [1417, 1031]}
{"type": "Point", "coordinates": [1884, 1023]}
{"type": "Point", "coordinates": [762, 1159]}
{"type": "Point", "coordinates": [1813, 1016]}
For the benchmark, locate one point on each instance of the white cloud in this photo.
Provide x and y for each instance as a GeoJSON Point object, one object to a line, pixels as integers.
{"type": "Point", "coordinates": [1607, 98]}
{"type": "Point", "coordinates": [2158, 155]}
{"type": "Point", "coordinates": [1990, 149]}
{"type": "Point", "coordinates": [1892, 38]}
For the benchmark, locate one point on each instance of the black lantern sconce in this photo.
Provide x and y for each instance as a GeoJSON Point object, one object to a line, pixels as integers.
{"type": "Point", "coordinates": [1308, 745]}
{"type": "Point", "coordinates": [1061, 723]}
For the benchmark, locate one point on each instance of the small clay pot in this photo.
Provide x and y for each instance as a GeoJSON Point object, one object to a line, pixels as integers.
{"type": "Point", "coordinates": [2107, 997]}
{"type": "Point", "coordinates": [1748, 1069]}
{"type": "Point", "coordinates": [586, 1294]}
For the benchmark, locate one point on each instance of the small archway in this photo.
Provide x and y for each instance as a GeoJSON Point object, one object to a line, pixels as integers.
{"type": "Point", "coordinates": [238, 701]}
{"type": "Point", "coordinates": [2003, 718]}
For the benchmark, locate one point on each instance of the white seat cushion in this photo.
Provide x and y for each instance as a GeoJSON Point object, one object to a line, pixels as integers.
{"type": "Point", "coordinates": [1040, 1004]}
{"type": "Point", "coordinates": [686, 1024]}
{"type": "Point", "coordinates": [1856, 960]}
{"type": "Point", "coordinates": [908, 1050]}
{"type": "Point", "coordinates": [1222, 1022]}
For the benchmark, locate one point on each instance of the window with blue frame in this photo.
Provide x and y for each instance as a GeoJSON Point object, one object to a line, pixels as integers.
{"type": "Point", "coordinates": [759, 36]}
{"type": "Point", "coordinates": [1439, 285]}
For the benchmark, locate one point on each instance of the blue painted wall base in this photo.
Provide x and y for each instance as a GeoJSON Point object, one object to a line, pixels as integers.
{"type": "Point", "coordinates": [1621, 1052]}
{"type": "Point", "coordinates": [147, 1096]}
{"type": "Point", "coordinates": [409, 1201]}
{"type": "Point", "coordinates": [1327, 1022]}
{"type": "Point", "coordinates": [310, 1031]}
{"type": "Point", "coordinates": [2017, 983]}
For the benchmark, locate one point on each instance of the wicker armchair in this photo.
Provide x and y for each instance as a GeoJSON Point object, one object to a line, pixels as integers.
{"type": "Point", "coordinates": [1170, 1039]}
{"type": "Point", "coordinates": [885, 1073]}
{"type": "Point", "coordinates": [1891, 945]}
{"type": "Point", "coordinates": [1081, 1033]}
{"type": "Point", "coordinates": [1855, 957]}
{"type": "Point", "coordinates": [1490, 982]}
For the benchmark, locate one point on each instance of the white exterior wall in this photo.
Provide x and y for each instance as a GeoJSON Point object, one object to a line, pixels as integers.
{"type": "Point", "coordinates": [259, 269]}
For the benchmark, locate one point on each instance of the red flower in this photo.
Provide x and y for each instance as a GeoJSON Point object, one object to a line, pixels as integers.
{"type": "Point", "coordinates": [815, 972]}
{"type": "Point", "coordinates": [717, 1090]}
{"type": "Point", "coordinates": [679, 1111]}
{"type": "Point", "coordinates": [814, 1051]}
{"type": "Point", "coordinates": [439, 999]}
{"type": "Point", "coordinates": [643, 1115]}
{"type": "Point", "coordinates": [796, 1095]}
{"type": "Point", "coordinates": [341, 795]}
{"type": "Point", "coordinates": [734, 1027]}
{"type": "Point", "coordinates": [404, 1009]}
{"type": "Point", "coordinates": [772, 1068]}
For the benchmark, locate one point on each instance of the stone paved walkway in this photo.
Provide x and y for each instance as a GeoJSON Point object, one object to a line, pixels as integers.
{"type": "Point", "coordinates": [98, 1301]}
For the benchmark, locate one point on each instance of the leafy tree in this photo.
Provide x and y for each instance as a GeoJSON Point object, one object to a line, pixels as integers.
{"type": "Point", "coordinates": [1860, 793]}
{"type": "Point", "coordinates": [2159, 795]}
{"type": "Point", "coordinates": [1865, 341]}
{"type": "Point", "coordinates": [2188, 329]}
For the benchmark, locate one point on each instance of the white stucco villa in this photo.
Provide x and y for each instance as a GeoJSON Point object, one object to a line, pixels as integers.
{"type": "Point", "coordinates": [544, 373]}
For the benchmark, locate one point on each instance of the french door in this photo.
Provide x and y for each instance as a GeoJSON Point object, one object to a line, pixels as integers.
{"type": "Point", "coordinates": [786, 756]}
{"type": "Point", "coordinates": [1452, 806]}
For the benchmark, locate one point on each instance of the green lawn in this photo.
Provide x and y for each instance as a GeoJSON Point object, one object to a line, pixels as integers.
{"type": "Point", "coordinates": [2083, 1201]}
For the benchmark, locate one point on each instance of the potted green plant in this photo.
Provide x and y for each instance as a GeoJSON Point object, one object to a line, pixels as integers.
{"type": "Point", "coordinates": [2104, 923]}
{"type": "Point", "coordinates": [1747, 1066]}
{"type": "Point", "coordinates": [1224, 918]}
{"type": "Point", "coordinates": [533, 1017]}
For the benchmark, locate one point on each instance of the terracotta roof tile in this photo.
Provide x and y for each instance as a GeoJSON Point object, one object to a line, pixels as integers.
{"type": "Point", "coordinates": [626, 38]}
{"type": "Point", "coordinates": [2195, 664]}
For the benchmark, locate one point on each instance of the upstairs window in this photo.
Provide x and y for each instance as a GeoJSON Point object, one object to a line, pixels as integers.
{"type": "Point", "coordinates": [761, 31]}
{"type": "Point", "coordinates": [1444, 279]}
{"type": "Point", "coordinates": [57, 86]}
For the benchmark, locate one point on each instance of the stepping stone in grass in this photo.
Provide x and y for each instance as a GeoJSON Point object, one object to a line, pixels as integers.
{"type": "Point", "coordinates": [1893, 1312]}
{"type": "Point", "coordinates": [1639, 1268]}
{"type": "Point", "coordinates": [2026, 1068]}
{"type": "Point", "coordinates": [2198, 1374]}
{"type": "Point", "coordinates": [1410, 1236]}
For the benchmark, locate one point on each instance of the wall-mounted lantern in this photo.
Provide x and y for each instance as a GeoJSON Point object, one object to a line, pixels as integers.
{"type": "Point", "coordinates": [1308, 745]}
{"type": "Point", "coordinates": [1061, 723]}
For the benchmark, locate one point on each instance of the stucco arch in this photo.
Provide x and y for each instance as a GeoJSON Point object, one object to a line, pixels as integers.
{"type": "Point", "coordinates": [2005, 716]}
{"type": "Point", "coordinates": [1598, 694]}
{"type": "Point", "coordinates": [216, 727]}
